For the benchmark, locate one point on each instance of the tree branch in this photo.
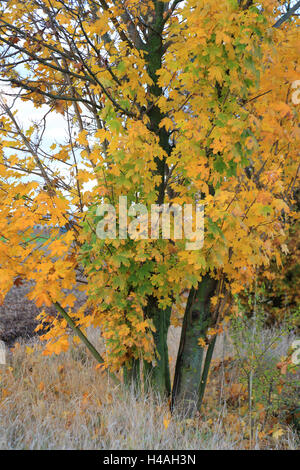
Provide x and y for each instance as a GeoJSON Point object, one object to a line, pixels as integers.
{"type": "Point", "coordinates": [287, 15]}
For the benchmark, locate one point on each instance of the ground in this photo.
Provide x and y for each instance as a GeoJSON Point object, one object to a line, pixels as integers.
{"type": "Point", "coordinates": [67, 402]}
{"type": "Point", "coordinates": [18, 315]}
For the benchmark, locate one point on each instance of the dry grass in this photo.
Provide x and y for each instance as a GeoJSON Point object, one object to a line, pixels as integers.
{"type": "Point", "coordinates": [65, 403]}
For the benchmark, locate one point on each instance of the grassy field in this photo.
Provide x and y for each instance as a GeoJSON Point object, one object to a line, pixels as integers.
{"type": "Point", "coordinates": [64, 402]}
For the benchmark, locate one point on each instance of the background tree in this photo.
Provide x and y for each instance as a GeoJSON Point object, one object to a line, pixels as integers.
{"type": "Point", "coordinates": [279, 286]}
{"type": "Point", "coordinates": [164, 102]}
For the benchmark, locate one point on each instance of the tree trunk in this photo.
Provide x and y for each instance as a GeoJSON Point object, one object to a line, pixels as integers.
{"type": "Point", "coordinates": [204, 375]}
{"type": "Point", "coordinates": [157, 377]}
{"type": "Point", "coordinates": [197, 319]}
{"type": "Point", "coordinates": [131, 375]}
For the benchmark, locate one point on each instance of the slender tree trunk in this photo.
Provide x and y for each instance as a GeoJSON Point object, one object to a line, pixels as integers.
{"type": "Point", "coordinates": [204, 375]}
{"type": "Point", "coordinates": [157, 377]}
{"type": "Point", "coordinates": [131, 375]}
{"type": "Point", "coordinates": [197, 319]}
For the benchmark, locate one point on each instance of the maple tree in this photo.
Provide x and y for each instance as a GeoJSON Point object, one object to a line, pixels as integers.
{"type": "Point", "coordinates": [164, 102]}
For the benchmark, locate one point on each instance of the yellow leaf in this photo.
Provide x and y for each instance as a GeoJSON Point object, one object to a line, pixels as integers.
{"type": "Point", "coordinates": [166, 422]}
{"type": "Point", "coordinates": [82, 138]}
{"type": "Point", "coordinates": [59, 106]}
{"type": "Point", "coordinates": [215, 73]}
{"type": "Point", "coordinates": [29, 350]}
{"type": "Point", "coordinates": [167, 123]}
{"type": "Point", "coordinates": [41, 386]}
{"type": "Point", "coordinates": [277, 434]}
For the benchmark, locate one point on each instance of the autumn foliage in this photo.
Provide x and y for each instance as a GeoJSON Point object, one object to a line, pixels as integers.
{"type": "Point", "coordinates": [164, 102]}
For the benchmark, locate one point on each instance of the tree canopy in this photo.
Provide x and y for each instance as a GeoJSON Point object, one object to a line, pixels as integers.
{"type": "Point", "coordinates": [164, 102]}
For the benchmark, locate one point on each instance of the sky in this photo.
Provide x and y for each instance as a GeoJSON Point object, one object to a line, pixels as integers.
{"type": "Point", "coordinates": [55, 131]}
{"type": "Point", "coordinates": [27, 114]}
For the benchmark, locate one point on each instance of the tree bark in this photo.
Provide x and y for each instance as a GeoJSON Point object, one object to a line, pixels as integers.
{"type": "Point", "coordinates": [197, 320]}
{"type": "Point", "coordinates": [131, 376]}
{"type": "Point", "coordinates": [157, 377]}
